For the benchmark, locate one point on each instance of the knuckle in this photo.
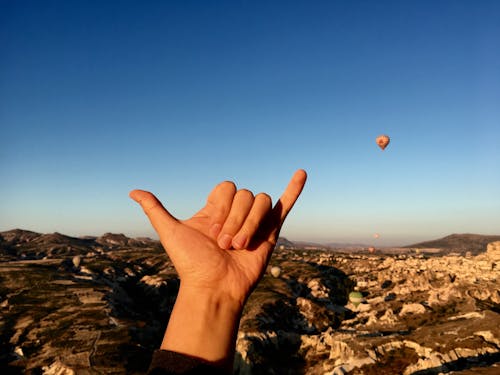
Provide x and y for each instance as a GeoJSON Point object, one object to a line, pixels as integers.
{"type": "Point", "coordinates": [151, 206]}
{"type": "Point", "coordinates": [221, 211]}
{"type": "Point", "coordinates": [251, 223]}
{"type": "Point", "coordinates": [232, 223]}
{"type": "Point", "coordinates": [148, 201]}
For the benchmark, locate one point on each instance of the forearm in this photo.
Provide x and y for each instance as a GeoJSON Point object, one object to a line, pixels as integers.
{"type": "Point", "coordinates": [203, 325]}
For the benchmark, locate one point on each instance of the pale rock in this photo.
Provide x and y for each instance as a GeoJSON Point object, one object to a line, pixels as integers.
{"type": "Point", "coordinates": [375, 300]}
{"type": "Point", "coordinates": [351, 365]}
{"type": "Point", "coordinates": [452, 356]}
{"type": "Point", "coordinates": [443, 295]}
{"type": "Point", "coordinates": [19, 351]}
{"type": "Point", "coordinates": [482, 294]}
{"type": "Point", "coordinates": [471, 315]}
{"type": "Point", "coordinates": [85, 270]}
{"type": "Point", "coordinates": [372, 319]}
{"type": "Point", "coordinates": [489, 337]}
{"type": "Point", "coordinates": [402, 289]}
{"type": "Point", "coordinates": [412, 308]}
{"type": "Point", "coordinates": [307, 310]}
{"type": "Point", "coordinates": [57, 368]}
{"type": "Point", "coordinates": [422, 351]}
{"type": "Point", "coordinates": [388, 262]}
{"type": "Point", "coordinates": [245, 348]}
{"type": "Point", "coordinates": [495, 296]}
{"type": "Point", "coordinates": [433, 361]}
{"type": "Point", "coordinates": [315, 342]}
{"type": "Point", "coordinates": [363, 307]}
{"type": "Point", "coordinates": [318, 290]}
{"type": "Point", "coordinates": [129, 272]}
{"type": "Point", "coordinates": [155, 281]}
{"type": "Point", "coordinates": [389, 317]}
{"type": "Point", "coordinates": [493, 251]}
{"type": "Point", "coordinates": [21, 325]}
{"type": "Point", "coordinates": [109, 271]}
{"type": "Point", "coordinates": [340, 370]}
{"type": "Point", "coordinates": [362, 284]}
{"type": "Point", "coordinates": [340, 352]}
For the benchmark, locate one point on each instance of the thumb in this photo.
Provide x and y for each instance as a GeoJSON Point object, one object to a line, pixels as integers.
{"type": "Point", "coordinates": [163, 222]}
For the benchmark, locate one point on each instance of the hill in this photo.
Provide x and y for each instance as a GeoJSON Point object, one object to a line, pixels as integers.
{"type": "Point", "coordinates": [475, 243]}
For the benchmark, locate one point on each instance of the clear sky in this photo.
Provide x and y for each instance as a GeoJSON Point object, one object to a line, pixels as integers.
{"type": "Point", "coordinates": [100, 97]}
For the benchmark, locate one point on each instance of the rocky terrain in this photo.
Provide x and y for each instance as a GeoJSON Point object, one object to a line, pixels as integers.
{"type": "Point", "coordinates": [99, 304]}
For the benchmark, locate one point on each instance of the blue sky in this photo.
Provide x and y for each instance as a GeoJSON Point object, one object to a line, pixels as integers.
{"type": "Point", "coordinates": [101, 97]}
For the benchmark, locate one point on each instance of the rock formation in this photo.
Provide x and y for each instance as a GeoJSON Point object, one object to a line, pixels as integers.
{"type": "Point", "coordinates": [419, 314]}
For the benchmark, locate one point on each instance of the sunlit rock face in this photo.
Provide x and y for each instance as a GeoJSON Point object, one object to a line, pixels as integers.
{"type": "Point", "coordinates": [100, 305]}
{"type": "Point", "coordinates": [493, 251]}
{"type": "Point", "coordinates": [420, 315]}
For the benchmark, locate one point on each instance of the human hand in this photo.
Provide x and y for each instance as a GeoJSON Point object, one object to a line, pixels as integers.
{"type": "Point", "coordinates": [220, 254]}
{"type": "Point", "coordinates": [225, 247]}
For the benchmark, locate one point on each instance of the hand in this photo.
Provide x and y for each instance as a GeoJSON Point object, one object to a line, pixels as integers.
{"type": "Point", "coordinates": [220, 255]}
{"type": "Point", "coordinates": [226, 246]}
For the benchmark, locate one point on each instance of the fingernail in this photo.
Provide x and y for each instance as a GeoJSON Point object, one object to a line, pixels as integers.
{"type": "Point", "coordinates": [214, 230]}
{"type": "Point", "coordinates": [225, 241]}
{"type": "Point", "coordinates": [239, 241]}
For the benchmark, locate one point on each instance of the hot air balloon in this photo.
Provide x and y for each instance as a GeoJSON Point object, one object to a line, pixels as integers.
{"type": "Point", "coordinates": [376, 235]}
{"type": "Point", "coordinates": [275, 271]}
{"type": "Point", "coordinates": [355, 298]}
{"type": "Point", "coordinates": [76, 260]}
{"type": "Point", "coordinates": [383, 141]}
{"type": "Point", "coordinates": [371, 249]}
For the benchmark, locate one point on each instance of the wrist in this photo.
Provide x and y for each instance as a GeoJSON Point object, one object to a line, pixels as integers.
{"type": "Point", "coordinates": [204, 324]}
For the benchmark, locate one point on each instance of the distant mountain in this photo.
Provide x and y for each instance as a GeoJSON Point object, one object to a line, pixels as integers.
{"type": "Point", "coordinates": [282, 241]}
{"type": "Point", "coordinates": [25, 239]}
{"type": "Point", "coordinates": [37, 245]}
{"type": "Point", "coordinates": [337, 245]}
{"type": "Point", "coordinates": [330, 245]}
{"type": "Point", "coordinates": [309, 244]}
{"type": "Point", "coordinates": [475, 243]}
{"type": "Point", "coordinates": [19, 235]}
{"type": "Point", "coordinates": [24, 244]}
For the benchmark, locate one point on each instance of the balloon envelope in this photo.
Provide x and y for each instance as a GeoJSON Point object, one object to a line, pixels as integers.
{"type": "Point", "coordinates": [76, 260]}
{"type": "Point", "coordinates": [275, 271]}
{"type": "Point", "coordinates": [355, 298]}
{"type": "Point", "coordinates": [383, 141]}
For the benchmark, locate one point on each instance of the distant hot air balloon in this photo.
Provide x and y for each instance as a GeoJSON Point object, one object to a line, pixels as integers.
{"type": "Point", "coordinates": [275, 271]}
{"type": "Point", "coordinates": [371, 249]}
{"type": "Point", "coordinates": [76, 260]}
{"type": "Point", "coordinates": [383, 141]}
{"type": "Point", "coordinates": [376, 235]}
{"type": "Point", "coordinates": [355, 298]}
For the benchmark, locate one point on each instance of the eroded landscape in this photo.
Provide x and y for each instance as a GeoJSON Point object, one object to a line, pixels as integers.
{"type": "Point", "coordinates": [99, 305]}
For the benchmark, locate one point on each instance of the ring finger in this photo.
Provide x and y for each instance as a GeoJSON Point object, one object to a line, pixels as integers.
{"type": "Point", "coordinates": [242, 203]}
{"type": "Point", "coordinates": [261, 207]}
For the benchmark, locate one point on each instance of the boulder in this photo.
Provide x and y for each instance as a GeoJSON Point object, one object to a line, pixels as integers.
{"type": "Point", "coordinates": [493, 251]}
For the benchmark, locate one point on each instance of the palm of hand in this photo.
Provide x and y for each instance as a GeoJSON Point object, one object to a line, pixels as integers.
{"type": "Point", "coordinates": [202, 263]}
